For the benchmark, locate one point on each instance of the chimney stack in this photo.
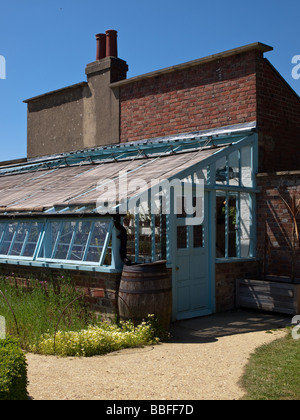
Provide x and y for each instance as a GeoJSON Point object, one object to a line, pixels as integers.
{"type": "Point", "coordinates": [101, 46]}
{"type": "Point", "coordinates": [107, 45]}
{"type": "Point", "coordinates": [102, 103]}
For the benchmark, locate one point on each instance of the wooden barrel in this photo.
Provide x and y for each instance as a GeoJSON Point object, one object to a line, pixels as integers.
{"type": "Point", "coordinates": [146, 289]}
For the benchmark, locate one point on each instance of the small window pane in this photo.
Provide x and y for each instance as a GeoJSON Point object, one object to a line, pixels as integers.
{"type": "Point", "coordinates": [129, 223]}
{"type": "Point", "coordinates": [246, 153]}
{"type": "Point", "coordinates": [232, 226]}
{"type": "Point", "coordinates": [33, 236]}
{"type": "Point", "coordinates": [64, 240]}
{"type": "Point", "coordinates": [21, 232]}
{"type": "Point", "coordinates": [233, 162]}
{"type": "Point", "coordinates": [221, 172]}
{"type": "Point", "coordinates": [160, 237]}
{"type": "Point", "coordinates": [203, 174]}
{"type": "Point", "coordinates": [182, 237]}
{"type": "Point", "coordinates": [198, 236]}
{"type": "Point", "coordinates": [145, 238]}
{"type": "Point", "coordinates": [245, 225]}
{"type": "Point", "coordinates": [97, 242]}
{"type": "Point", "coordinates": [7, 238]}
{"type": "Point", "coordinates": [80, 241]}
{"type": "Point", "coordinates": [50, 239]}
{"type": "Point", "coordinates": [220, 226]}
{"type": "Point", "coordinates": [2, 228]}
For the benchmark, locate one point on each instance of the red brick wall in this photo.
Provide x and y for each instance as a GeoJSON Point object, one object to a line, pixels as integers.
{"type": "Point", "coordinates": [274, 241]}
{"type": "Point", "coordinates": [210, 95]}
{"type": "Point", "coordinates": [226, 276]}
{"type": "Point", "coordinates": [278, 121]}
{"type": "Point", "coordinates": [237, 89]}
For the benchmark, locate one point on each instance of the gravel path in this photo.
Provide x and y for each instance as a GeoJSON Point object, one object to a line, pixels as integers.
{"type": "Point", "coordinates": [205, 360]}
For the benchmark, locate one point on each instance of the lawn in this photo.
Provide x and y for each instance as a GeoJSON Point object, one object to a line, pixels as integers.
{"type": "Point", "coordinates": [273, 371]}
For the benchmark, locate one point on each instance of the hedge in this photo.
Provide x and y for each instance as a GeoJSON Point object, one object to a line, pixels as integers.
{"type": "Point", "coordinates": [13, 371]}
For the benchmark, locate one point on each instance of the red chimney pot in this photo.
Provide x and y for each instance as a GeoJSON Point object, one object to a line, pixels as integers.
{"type": "Point", "coordinates": [101, 46]}
{"type": "Point", "coordinates": [111, 43]}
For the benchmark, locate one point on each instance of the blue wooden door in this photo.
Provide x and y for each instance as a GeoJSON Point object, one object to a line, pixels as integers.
{"type": "Point", "coordinates": [192, 288]}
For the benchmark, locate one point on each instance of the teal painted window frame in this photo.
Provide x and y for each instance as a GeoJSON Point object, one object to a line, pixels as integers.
{"type": "Point", "coordinates": [109, 243]}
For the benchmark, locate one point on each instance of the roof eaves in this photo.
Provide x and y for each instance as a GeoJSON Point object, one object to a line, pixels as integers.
{"type": "Point", "coordinates": [37, 98]}
{"type": "Point", "coordinates": [255, 46]}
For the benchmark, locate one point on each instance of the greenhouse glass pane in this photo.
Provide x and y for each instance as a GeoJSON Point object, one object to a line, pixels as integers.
{"type": "Point", "coordinates": [145, 238]}
{"type": "Point", "coordinates": [64, 240]}
{"type": "Point", "coordinates": [50, 239]}
{"type": "Point", "coordinates": [221, 171]}
{"type": "Point", "coordinates": [2, 228]}
{"type": "Point", "coordinates": [129, 223]}
{"type": "Point", "coordinates": [97, 241]}
{"type": "Point", "coordinates": [21, 232]}
{"type": "Point", "coordinates": [234, 171]}
{"type": "Point", "coordinates": [232, 228]}
{"type": "Point", "coordinates": [220, 225]}
{"type": "Point", "coordinates": [81, 237]}
{"type": "Point", "coordinates": [32, 239]}
{"type": "Point", "coordinates": [246, 165]}
{"type": "Point", "coordinates": [245, 225]}
{"type": "Point", "coordinates": [7, 238]}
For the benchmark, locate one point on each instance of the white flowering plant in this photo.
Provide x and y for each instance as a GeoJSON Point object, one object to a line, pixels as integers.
{"type": "Point", "coordinates": [99, 339]}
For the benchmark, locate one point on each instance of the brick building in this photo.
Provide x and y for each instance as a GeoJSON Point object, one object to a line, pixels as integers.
{"type": "Point", "coordinates": [229, 119]}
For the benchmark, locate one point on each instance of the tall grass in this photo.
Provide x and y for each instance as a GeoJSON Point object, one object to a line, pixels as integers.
{"type": "Point", "coordinates": [38, 305]}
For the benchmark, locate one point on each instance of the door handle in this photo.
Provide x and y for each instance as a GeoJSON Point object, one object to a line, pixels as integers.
{"type": "Point", "coordinates": [177, 268]}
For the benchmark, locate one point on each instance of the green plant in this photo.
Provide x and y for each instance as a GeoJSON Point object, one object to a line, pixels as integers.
{"type": "Point", "coordinates": [156, 328]}
{"type": "Point", "coordinates": [13, 371]}
{"type": "Point", "coordinates": [37, 306]}
{"type": "Point", "coordinates": [97, 339]}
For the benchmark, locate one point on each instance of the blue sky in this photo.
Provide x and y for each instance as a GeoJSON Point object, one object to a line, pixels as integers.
{"type": "Point", "coordinates": [47, 43]}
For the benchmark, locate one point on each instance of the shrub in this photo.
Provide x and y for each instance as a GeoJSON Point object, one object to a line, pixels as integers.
{"type": "Point", "coordinates": [13, 371]}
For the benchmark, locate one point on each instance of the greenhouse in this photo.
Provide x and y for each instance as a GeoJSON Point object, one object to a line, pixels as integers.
{"type": "Point", "coordinates": [69, 211]}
